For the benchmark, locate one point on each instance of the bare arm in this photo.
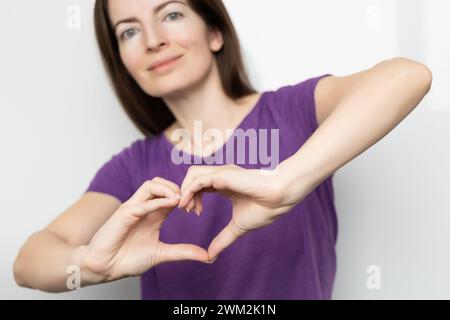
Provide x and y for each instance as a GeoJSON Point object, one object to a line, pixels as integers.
{"type": "Point", "coordinates": [43, 260]}
{"type": "Point", "coordinates": [362, 109]}
{"type": "Point", "coordinates": [353, 112]}
{"type": "Point", "coordinates": [104, 239]}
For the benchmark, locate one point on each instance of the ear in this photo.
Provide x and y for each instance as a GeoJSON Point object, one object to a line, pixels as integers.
{"type": "Point", "coordinates": [215, 39]}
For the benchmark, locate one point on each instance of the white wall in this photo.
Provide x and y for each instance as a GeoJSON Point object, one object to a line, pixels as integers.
{"type": "Point", "coordinates": [59, 121]}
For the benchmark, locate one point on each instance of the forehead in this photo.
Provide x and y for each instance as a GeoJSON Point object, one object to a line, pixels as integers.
{"type": "Point", "coordinates": [124, 8]}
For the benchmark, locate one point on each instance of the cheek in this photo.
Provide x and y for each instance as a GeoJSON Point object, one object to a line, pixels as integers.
{"type": "Point", "coordinates": [130, 60]}
{"type": "Point", "coordinates": [197, 60]}
{"type": "Point", "coordinates": [190, 36]}
{"type": "Point", "coordinates": [196, 48]}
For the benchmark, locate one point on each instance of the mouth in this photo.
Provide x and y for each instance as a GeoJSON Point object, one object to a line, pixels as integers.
{"type": "Point", "coordinates": [164, 64]}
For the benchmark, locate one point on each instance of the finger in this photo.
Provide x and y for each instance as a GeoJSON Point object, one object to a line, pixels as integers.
{"type": "Point", "coordinates": [195, 203]}
{"type": "Point", "coordinates": [151, 189]}
{"type": "Point", "coordinates": [191, 204]}
{"type": "Point", "coordinates": [178, 252]}
{"type": "Point", "coordinates": [149, 206]}
{"type": "Point", "coordinates": [214, 181]}
{"type": "Point", "coordinates": [225, 238]}
{"type": "Point", "coordinates": [195, 171]}
{"type": "Point", "coordinates": [198, 203]}
{"type": "Point", "coordinates": [169, 183]}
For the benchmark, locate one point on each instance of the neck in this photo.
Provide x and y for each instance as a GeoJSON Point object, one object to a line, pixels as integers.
{"type": "Point", "coordinates": [207, 103]}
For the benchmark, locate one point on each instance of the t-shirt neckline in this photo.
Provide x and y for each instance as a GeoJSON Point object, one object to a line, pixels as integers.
{"type": "Point", "coordinates": [241, 124]}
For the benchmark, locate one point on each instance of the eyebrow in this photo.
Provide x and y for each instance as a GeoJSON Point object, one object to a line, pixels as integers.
{"type": "Point", "coordinates": [155, 10]}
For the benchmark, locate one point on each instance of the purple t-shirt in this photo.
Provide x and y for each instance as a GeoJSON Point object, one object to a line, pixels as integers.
{"type": "Point", "coordinates": [292, 258]}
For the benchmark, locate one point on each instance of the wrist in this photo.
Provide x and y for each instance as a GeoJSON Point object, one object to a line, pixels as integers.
{"type": "Point", "coordinates": [296, 183]}
{"type": "Point", "coordinates": [88, 277]}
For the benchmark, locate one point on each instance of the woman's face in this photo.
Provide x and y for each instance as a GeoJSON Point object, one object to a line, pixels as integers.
{"type": "Point", "coordinates": [163, 29]}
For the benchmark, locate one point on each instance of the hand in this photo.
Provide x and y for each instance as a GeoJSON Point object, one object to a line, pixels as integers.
{"type": "Point", "coordinates": [128, 243]}
{"type": "Point", "coordinates": [257, 199]}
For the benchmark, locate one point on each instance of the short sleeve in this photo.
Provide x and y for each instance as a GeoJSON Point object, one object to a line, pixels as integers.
{"type": "Point", "coordinates": [118, 175]}
{"type": "Point", "coordinates": [297, 105]}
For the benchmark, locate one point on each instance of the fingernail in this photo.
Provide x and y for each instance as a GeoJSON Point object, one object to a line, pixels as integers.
{"type": "Point", "coordinates": [212, 261]}
{"type": "Point", "coordinates": [176, 196]}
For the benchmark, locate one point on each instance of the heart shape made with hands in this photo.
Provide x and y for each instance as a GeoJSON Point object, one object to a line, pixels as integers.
{"type": "Point", "coordinates": [257, 198]}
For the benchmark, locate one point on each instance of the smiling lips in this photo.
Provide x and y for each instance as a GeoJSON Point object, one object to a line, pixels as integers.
{"type": "Point", "coordinates": [163, 63]}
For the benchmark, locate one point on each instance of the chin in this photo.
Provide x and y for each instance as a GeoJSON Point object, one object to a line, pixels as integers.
{"type": "Point", "coordinates": [160, 90]}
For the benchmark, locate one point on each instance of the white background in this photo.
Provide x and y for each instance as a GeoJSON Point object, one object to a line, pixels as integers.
{"type": "Point", "coordinates": [60, 121]}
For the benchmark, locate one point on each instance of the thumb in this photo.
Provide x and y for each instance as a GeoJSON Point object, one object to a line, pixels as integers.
{"type": "Point", "coordinates": [225, 238]}
{"type": "Point", "coordinates": [178, 252]}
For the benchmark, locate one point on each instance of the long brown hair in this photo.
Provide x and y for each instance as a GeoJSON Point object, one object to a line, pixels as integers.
{"type": "Point", "coordinates": [151, 114]}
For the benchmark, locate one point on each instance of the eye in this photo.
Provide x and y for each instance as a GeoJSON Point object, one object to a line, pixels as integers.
{"type": "Point", "coordinates": [174, 14]}
{"type": "Point", "coordinates": [123, 36]}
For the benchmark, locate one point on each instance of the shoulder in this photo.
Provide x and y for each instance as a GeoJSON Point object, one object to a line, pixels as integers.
{"type": "Point", "coordinates": [298, 91]}
{"type": "Point", "coordinates": [292, 105]}
{"type": "Point", "coordinates": [301, 96]}
{"type": "Point", "coordinates": [322, 93]}
{"type": "Point", "coordinates": [133, 148]}
{"type": "Point", "coordinates": [331, 90]}
{"type": "Point", "coordinates": [135, 154]}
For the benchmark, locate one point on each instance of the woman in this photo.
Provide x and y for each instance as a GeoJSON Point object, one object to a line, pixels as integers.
{"type": "Point", "coordinates": [172, 64]}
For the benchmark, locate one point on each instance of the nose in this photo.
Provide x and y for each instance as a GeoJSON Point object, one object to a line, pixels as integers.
{"type": "Point", "coordinates": [155, 37]}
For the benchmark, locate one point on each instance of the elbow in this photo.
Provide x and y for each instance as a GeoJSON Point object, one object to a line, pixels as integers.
{"type": "Point", "coordinates": [20, 269]}
{"type": "Point", "coordinates": [417, 72]}
{"type": "Point", "coordinates": [18, 273]}
{"type": "Point", "coordinates": [427, 77]}
{"type": "Point", "coordinates": [422, 75]}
